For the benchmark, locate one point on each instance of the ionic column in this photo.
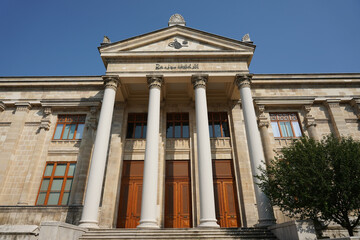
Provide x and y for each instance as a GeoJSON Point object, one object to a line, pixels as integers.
{"type": "Point", "coordinates": [150, 179]}
{"type": "Point", "coordinates": [265, 210]}
{"type": "Point", "coordinates": [206, 186]}
{"type": "Point", "coordinates": [89, 218]}
{"type": "Point", "coordinates": [264, 133]}
{"type": "Point", "coordinates": [310, 123]}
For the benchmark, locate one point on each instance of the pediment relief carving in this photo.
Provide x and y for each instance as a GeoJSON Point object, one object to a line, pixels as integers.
{"type": "Point", "coordinates": [177, 38]}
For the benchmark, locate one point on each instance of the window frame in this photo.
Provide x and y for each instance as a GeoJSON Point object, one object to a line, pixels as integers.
{"type": "Point", "coordinates": [143, 122]}
{"type": "Point", "coordinates": [184, 118]}
{"type": "Point", "coordinates": [51, 178]}
{"type": "Point", "coordinates": [223, 118]}
{"type": "Point", "coordinates": [296, 114]}
{"type": "Point", "coordinates": [66, 122]}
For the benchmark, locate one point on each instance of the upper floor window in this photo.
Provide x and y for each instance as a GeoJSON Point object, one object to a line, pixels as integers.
{"type": "Point", "coordinates": [218, 124]}
{"type": "Point", "coordinates": [177, 125]}
{"type": "Point", "coordinates": [56, 183]}
{"type": "Point", "coordinates": [136, 127]}
{"type": "Point", "coordinates": [69, 127]}
{"type": "Point", "coordinates": [285, 125]}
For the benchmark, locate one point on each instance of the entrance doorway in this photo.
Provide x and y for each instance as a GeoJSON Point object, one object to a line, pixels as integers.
{"type": "Point", "coordinates": [130, 194]}
{"type": "Point", "coordinates": [178, 210]}
{"type": "Point", "coordinates": [226, 204]}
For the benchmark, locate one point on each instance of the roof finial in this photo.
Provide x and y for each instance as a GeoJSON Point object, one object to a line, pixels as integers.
{"type": "Point", "coordinates": [246, 38]}
{"type": "Point", "coordinates": [106, 39]}
{"type": "Point", "coordinates": [176, 19]}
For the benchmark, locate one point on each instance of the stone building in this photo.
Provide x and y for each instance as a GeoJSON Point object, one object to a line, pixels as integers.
{"type": "Point", "coordinates": [170, 137]}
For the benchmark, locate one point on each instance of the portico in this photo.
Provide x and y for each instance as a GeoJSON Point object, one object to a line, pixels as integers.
{"type": "Point", "coordinates": [169, 71]}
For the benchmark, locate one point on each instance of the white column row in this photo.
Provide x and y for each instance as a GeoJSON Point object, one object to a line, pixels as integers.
{"type": "Point", "coordinates": [149, 208]}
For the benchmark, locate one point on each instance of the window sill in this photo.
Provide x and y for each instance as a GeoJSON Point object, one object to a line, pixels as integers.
{"type": "Point", "coordinates": [287, 138]}
{"type": "Point", "coordinates": [61, 140]}
{"type": "Point", "coordinates": [220, 138]}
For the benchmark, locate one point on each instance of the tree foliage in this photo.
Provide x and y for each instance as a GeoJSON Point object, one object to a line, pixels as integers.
{"type": "Point", "coordinates": [317, 180]}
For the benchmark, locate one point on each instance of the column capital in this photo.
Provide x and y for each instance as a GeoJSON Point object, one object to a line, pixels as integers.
{"type": "Point", "coordinates": [23, 106]}
{"type": "Point", "coordinates": [263, 120]}
{"type": "Point", "coordinates": [199, 80]}
{"type": "Point", "coordinates": [155, 81]}
{"type": "Point", "coordinates": [111, 81]}
{"type": "Point", "coordinates": [243, 80]}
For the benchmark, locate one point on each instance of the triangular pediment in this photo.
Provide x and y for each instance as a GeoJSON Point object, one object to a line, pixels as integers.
{"type": "Point", "coordinates": [178, 39]}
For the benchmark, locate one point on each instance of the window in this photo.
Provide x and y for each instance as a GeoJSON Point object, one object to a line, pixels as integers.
{"type": "Point", "coordinates": [218, 124]}
{"type": "Point", "coordinates": [69, 127]}
{"type": "Point", "coordinates": [285, 125]}
{"type": "Point", "coordinates": [56, 184]}
{"type": "Point", "coordinates": [136, 125]}
{"type": "Point", "coordinates": [177, 125]}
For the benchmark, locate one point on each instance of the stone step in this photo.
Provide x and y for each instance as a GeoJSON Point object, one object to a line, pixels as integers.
{"type": "Point", "coordinates": [192, 233]}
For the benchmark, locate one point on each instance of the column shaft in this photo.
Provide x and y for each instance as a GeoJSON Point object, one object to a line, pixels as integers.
{"type": "Point", "coordinates": [89, 216]}
{"type": "Point", "coordinates": [265, 210]}
{"type": "Point", "coordinates": [148, 217]}
{"type": "Point", "coordinates": [207, 201]}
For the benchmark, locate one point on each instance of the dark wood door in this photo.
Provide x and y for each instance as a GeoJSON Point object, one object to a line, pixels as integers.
{"type": "Point", "coordinates": [130, 194]}
{"type": "Point", "coordinates": [178, 211]}
{"type": "Point", "coordinates": [226, 206]}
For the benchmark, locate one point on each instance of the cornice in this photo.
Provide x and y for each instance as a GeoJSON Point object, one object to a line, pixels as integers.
{"type": "Point", "coordinates": [51, 81]}
{"type": "Point", "coordinates": [306, 78]}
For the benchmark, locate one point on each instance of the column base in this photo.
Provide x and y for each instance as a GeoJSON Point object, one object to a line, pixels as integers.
{"type": "Point", "coordinates": [148, 224]}
{"type": "Point", "coordinates": [264, 223]}
{"type": "Point", "coordinates": [88, 224]}
{"type": "Point", "coordinates": [208, 223]}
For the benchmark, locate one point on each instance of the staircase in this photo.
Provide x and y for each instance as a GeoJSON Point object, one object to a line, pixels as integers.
{"type": "Point", "coordinates": [190, 233]}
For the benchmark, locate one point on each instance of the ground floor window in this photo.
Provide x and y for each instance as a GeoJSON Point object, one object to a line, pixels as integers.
{"type": "Point", "coordinates": [56, 183]}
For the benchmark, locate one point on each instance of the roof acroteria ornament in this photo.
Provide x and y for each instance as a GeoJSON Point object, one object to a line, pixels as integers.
{"type": "Point", "coordinates": [176, 19]}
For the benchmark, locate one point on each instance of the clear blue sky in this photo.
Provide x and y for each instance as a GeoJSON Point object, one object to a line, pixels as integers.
{"type": "Point", "coordinates": [60, 37]}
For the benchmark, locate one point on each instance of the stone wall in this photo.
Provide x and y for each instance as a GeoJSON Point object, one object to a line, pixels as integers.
{"type": "Point", "coordinates": [34, 215]}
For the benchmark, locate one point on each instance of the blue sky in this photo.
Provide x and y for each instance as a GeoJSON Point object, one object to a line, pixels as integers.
{"type": "Point", "coordinates": [48, 37]}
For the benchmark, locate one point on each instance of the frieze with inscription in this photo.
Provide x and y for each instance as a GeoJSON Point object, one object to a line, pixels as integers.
{"type": "Point", "coordinates": [190, 66]}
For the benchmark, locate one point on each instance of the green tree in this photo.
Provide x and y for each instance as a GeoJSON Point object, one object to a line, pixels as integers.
{"type": "Point", "coordinates": [317, 180]}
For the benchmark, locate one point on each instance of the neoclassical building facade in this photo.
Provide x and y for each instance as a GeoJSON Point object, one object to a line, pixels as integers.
{"type": "Point", "coordinates": [171, 136]}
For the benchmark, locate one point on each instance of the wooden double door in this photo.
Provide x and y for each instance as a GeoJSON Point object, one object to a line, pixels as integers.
{"type": "Point", "coordinates": [178, 210]}
{"type": "Point", "coordinates": [178, 207]}
{"type": "Point", "coordinates": [130, 194]}
{"type": "Point", "coordinates": [226, 204]}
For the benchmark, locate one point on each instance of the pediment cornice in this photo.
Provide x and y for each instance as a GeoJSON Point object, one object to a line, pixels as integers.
{"type": "Point", "coordinates": [176, 42]}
